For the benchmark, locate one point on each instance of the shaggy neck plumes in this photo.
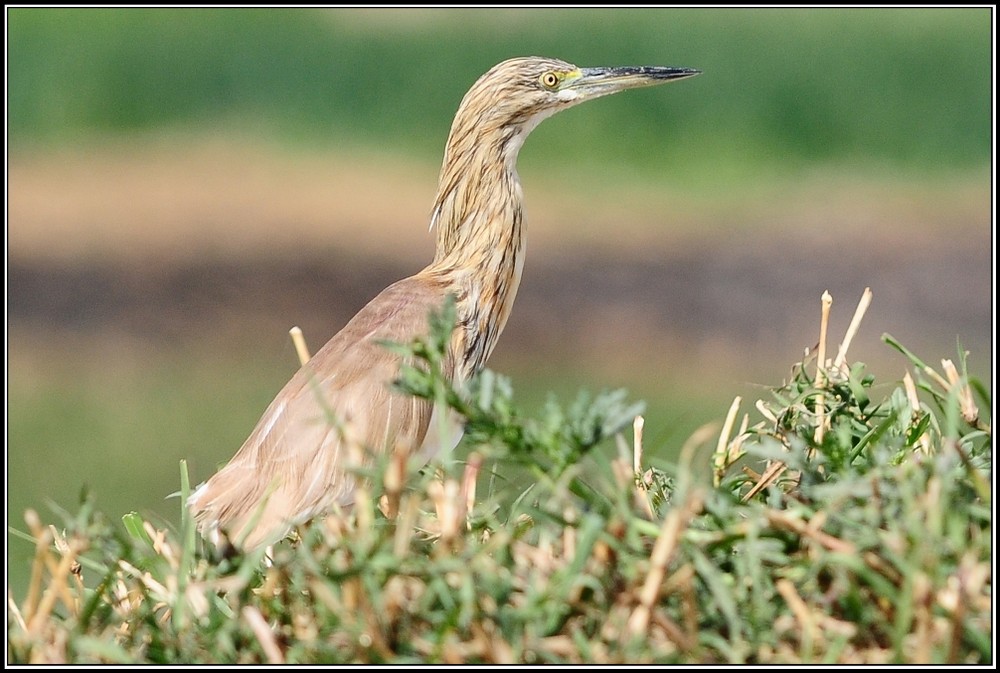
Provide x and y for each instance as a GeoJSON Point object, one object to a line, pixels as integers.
{"type": "Point", "coordinates": [478, 217]}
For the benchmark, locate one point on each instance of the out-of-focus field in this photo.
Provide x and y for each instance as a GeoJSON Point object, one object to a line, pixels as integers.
{"type": "Point", "coordinates": [163, 239]}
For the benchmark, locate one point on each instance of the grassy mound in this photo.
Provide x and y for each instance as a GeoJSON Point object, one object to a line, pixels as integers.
{"type": "Point", "coordinates": [848, 523]}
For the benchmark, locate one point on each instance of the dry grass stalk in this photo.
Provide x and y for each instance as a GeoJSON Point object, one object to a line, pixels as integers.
{"type": "Point", "coordinates": [392, 481]}
{"type": "Point", "coordinates": [811, 635]}
{"type": "Point", "coordinates": [449, 508]}
{"type": "Point", "coordinates": [883, 567]}
{"type": "Point", "coordinates": [671, 630]}
{"type": "Point", "coordinates": [569, 534]}
{"type": "Point", "coordinates": [637, 426]}
{"type": "Point", "coordinates": [689, 600]}
{"type": "Point", "coordinates": [470, 475]}
{"type": "Point", "coordinates": [859, 313]}
{"type": "Point", "coordinates": [355, 461]}
{"type": "Point", "coordinates": [15, 612]}
{"type": "Point", "coordinates": [494, 648]}
{"type": "Point", "coordinates": [43, 539]}
{"type": "Point", "coordinates": [405, 526]}
{"type": "Point", "coordinates": [826, 302]}
{"type": "Point", "coordinates": [775, 468]}
{"type": "Point", "coordinates": [787, 521]}
{"type": "Point", "coordinates": [57, 588]}
{"type": "Point", "coordinates": [765, 412]}
{"type": "Point", "coordinates": [725, 454]}
{"type": "Point", "coordinates": [967, 406]}
{"type": "Point", "coordinates": [264, 634]}
{"type": "Point", "coordinates": [664, 548]}
{"type": "Point", "coordinates": [300, 345]}
{"type": "Point", "coordinates": [923, 636]}
{"type": "Point", "coordinates": [958, 620]}
{"type": "Point", "coordinates": [686, 637]}
{"type": "Point", "coordinates": [641, 480]}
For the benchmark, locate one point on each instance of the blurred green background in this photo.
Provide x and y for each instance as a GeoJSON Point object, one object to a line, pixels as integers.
{"type": "Point", "coordinates": [783, 89]}
{"type": "Point", "coordinates": [186, 184]}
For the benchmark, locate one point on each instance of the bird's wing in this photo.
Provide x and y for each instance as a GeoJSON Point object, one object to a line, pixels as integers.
{"type": "Point", "coordinates": [293, 464]}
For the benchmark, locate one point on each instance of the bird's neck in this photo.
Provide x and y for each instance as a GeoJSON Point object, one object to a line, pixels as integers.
{"type": "Point", "coordinates": [480, 241]}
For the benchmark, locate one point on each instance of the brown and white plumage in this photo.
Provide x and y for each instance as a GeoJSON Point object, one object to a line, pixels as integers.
{"type": "Point", "coordinates": [292, 467]}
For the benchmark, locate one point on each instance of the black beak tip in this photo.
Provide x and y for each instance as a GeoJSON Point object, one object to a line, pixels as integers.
{"type": "Point", "coordinates": [685, 72]}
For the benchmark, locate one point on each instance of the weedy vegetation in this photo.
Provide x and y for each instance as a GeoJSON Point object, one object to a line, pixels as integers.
{"type": "Point", "coordinates": [848, 522]}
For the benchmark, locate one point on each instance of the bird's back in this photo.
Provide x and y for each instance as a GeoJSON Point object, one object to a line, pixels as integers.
{"type": "Point", "coordinates": [292, 466]}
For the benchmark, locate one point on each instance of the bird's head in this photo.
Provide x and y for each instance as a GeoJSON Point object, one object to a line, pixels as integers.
{"type": "Point", "coordinates": [478, 177]}
{"type": "Point", "coordinates": [520, 92]}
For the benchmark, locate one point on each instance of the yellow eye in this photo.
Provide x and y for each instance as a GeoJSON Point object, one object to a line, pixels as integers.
{"type": "Point", "coordinates": [549, 80]}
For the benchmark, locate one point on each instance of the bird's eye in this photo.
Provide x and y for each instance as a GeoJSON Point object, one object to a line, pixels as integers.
{"type": "Point", "coordinates": [549, 80]}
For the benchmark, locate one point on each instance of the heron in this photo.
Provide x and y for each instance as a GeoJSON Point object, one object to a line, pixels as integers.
{"type": "Point", "coordinates": [294, 465]}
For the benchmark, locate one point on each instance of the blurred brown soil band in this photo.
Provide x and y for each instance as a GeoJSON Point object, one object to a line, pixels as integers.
{"type": "Point", "coordinates": [231, 244]}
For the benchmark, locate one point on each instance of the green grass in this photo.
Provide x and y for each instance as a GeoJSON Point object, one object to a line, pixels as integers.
{"type": "Point", "coordinates": [845, 526]}
{"type": "Point", "coordinates": [884, 91]}
{"type": "Point", "coordinates": [115, 421]}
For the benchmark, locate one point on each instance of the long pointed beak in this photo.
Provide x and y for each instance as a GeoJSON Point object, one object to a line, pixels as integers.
{"type": "Point", "coordinates": [594, 82]}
